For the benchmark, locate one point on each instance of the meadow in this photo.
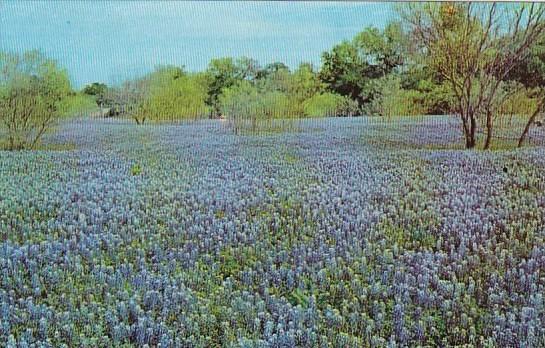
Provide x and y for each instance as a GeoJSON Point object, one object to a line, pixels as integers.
{"type": "Point", "coordinates": [346, 232]}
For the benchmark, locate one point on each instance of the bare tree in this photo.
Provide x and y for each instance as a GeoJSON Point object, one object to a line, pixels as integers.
{"type": "Point", "coordinates": [473, 47]}
{"type": "Point", "coordinates": [128, 99]}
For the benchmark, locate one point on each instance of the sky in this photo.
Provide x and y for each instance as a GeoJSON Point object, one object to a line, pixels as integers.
{"type": "Point", "coordinates": [109, 41]}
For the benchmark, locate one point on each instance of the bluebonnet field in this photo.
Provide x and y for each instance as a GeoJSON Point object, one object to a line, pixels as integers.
{"type": "Point", "coordinates": [331, 236]}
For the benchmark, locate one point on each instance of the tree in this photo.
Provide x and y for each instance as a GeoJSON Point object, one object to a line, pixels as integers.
{"type": "Point", "coordinates": [97, 90]}
{"type": "Point", "coordinates": [128, 98]}
{"type": "Point", "coordinates": [32, 89]}
{"type": "Point", "coordinates": [531, 74]}
{"type": "Point", "coordinates": [474, 47]}
{"type": "Point", "coordinates": [272, 68]}
{"type": "Point", "coordinates": [382, 51]}
{"type": "Point", "coordinates": [344, 71]}
{"type": "Point", "coordinates": [247, 68]}
{"type": "Point", "coordinates": [351, 65]}
{"type": "Point", "coordinates": [305, 83]}
{"type": "Point", "coordinates": [221, 73]}
{"type": "Point", "coordinates": [182, 97]}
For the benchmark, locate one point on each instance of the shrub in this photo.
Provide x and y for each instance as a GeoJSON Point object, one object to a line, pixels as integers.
{"type": "Point", "coordinates": [392, 100]}
{"type": "Point", "coordinates": [78, 104]}
{"type": "Point", "coordinates": [329, 104]}
{"type": "Point", "coordinates": [247, 107]}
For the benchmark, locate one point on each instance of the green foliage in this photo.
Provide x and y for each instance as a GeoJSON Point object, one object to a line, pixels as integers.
{"type": "Point", "coordinates": [304, 83]}
{"type": "Point", "coordinates": [77, 104]}
{"type": "Point", "coordinates": [531, 71]}
{"type": "Point", "coordinates": [474, 47]}
{"type": "Point", "coordinates": [97, 90]}
{"type": "Point", "coordinates": [350, 66]}
{"type": "Point", "coordinates": [329, 104]}
{"type": "Point", "coordinates": [383, 51]}
{"type": "Point", "coordinates": [180, 97]}
{"type": "Point", "coordinates": [513, 105]}
{"type": "Point", "coordinates": [344, 71]}
{"type": "Point", "coordinates": [383, 72]}
{"type": "Point", "coordinates": [298, 298]}
{"type": "Point", "coordinates": [246, 101]}
{"type": "Point", "coordinates": [281, 94]}
{"type": "Point", "coordinates": [221, 73]}
{"type": "Point", "coordinates": [166, 94]}
{"type": "Point", "coordinates": [32, 91]}
{"type": "Point", "coordinates": [392, 100]}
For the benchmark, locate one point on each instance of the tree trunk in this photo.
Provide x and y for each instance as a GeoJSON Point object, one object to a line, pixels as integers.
{"type": "Point", "coordinates": [489, 128]}
{"type": "Point", "coordinates": [469, 126]}
{"type": "Point", "coordinates": [529, 123]}
{"type": "Point", "coordinates": [11, 143]}
{"type": "Point", "coordinates": [473, 131]}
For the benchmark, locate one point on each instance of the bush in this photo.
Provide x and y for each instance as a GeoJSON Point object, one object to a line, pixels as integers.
{"type": "Point", "coordinates": [32, 92]}
{"type": "Point", "coordinates": [78, 104]}
{"type": "Point", "coordinates": [329, 104]}
{"type": "Point", "coordinates": [516, 104]}
{"type": "Point", "coordinates": [392, 100]}
{"type": "Point", "coordinates": [245, 106]}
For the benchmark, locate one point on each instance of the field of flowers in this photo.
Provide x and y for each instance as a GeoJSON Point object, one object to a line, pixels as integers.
{"type": "Point", "coordinates": [347, 233]}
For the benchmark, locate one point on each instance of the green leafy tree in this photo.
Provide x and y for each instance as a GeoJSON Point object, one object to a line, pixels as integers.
{"type": "Point", "coordinates": [221, 73]}
{"type": "Point", "coordinates": [77, 104]}
{"type": "Point", "coordinates": [344, 71]}
{"type": "Point", "coordinates": [382, 51]}
{"type": "Point", "coordinates": [182, 97]}
{"type": "Point", "coordinates": [530, 74]}
{"type": "Point", "coordinates": [247, 106]}
{"type": "Point", "coordinates": [247, 68]}
{"type": "Point", "coordinates": [97, 90]}
{"type": "Point", "coordinates": [32, 90]}
{"type": "Point", "coordinates": [304, 83]}
{"type": "Point", "coordinates": [437, 97]}
{"type": "Point", "coordinates": [272, 68]}
{"type": "Point", "coordinates": [350, 66]}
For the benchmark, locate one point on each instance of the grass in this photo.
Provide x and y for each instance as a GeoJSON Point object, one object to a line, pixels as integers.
{"type": "Point", "coordinates": [44, 147]}
{"type": "Point", "coordinates": [136, 169]}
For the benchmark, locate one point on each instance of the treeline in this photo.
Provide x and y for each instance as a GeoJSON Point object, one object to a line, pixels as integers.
{"type": "Point", "coordinates": [482, 62]}
{"type": "Point", "coordinates": [228, 88]}
{"type": "Point", "coordinates": [369, 74]}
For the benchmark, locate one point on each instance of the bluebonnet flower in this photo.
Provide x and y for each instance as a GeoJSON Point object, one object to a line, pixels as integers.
{"type": "Point", "coordinates": [220, 241]}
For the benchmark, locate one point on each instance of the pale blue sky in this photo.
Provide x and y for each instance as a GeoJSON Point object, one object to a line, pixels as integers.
{"type": "Point", "coordinates": [109, 41]}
